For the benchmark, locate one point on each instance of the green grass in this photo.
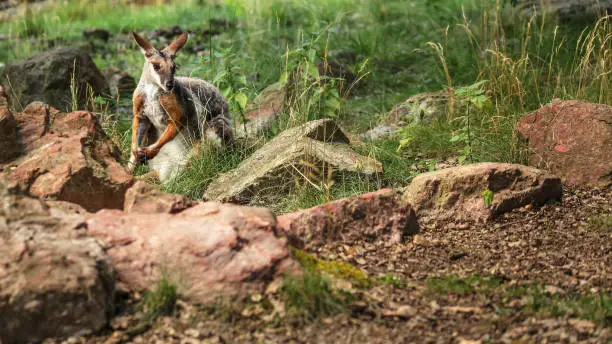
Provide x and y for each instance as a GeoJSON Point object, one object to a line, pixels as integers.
{"type": "Point", "coordinates": [160, 301]}
{"type": "Point", "coordinates": [601, 223]}
{"type": "Point", "coordinates": [462, 285]}
{"type": "Point", "coordinates": [225, 309]}
{"type": "Point", "coordinates": [205, 167]}
{"type": "Point", "coordinates": [310, 296]}
{"type": "Point", "coordinates": [596, 307]}
{"type": "Point", "coordinates": [397, 48]}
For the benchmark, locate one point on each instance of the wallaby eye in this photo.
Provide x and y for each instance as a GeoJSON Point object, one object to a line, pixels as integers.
{"type": "Point", "coordinates": [156, 67]}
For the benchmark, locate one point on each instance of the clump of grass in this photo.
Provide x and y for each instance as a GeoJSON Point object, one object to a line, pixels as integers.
{"type": "Point", "coordinates": [311, 295]}
{"type": "Point", "coordinates": [315, 182]}
{"type": "Point", "coordinates": [601, 223]}
{"type": "Point", "coordinates": [225, 309]}
{"type": "Point", "coordinates": [462, 285]}
{"type": "Point", "coordinates": [595, 307]}
{"type": "Point", "coordinates": [160, 301]}
{"type": "Point", "coordinates": [204, 167]}
{"type": "Point", "coordinates": [389, 279]}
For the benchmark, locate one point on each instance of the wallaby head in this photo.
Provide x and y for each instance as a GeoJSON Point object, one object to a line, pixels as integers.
{"type": "Point", "coordinates": [159, 67]}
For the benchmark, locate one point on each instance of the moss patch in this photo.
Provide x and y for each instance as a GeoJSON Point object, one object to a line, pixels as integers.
{"type": "Point", "coordinates": [342, 270]}
{"type": "Point", "coordinates": [601, 223]}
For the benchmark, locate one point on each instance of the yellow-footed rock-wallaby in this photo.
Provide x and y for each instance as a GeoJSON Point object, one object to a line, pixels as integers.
{"type": "Point", "coordinates": [172, 113]}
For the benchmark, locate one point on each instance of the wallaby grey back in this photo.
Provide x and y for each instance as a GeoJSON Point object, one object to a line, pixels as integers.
{"type": "Point", "coordinates": [204, 107]}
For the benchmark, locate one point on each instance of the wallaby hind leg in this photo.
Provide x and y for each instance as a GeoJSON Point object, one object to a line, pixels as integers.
{"type": "Point", "coordinates": [221, 127]}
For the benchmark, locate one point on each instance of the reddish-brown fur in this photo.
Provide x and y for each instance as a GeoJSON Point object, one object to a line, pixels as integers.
{"type": "Point", "coordinates": [173, 108]}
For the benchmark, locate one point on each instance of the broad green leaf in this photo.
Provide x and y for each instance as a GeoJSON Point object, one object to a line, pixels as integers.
{"type": "Point", "coordinates": [241, 99]}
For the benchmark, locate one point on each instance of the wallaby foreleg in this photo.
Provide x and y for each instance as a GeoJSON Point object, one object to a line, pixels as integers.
{"type": "Point", "coordinates": [173, 109]}
{"type": "Point", "coordinates": [140, 128]}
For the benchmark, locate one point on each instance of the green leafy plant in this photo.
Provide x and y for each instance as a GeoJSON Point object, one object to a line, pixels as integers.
{"type": "Point", "coordinates": [487, 197]}
{"type": "Point", "coordinates": [225, 73]}
{"type": "Point", "coordinates": [469, 97]}
{"type": "Point", "coordinates": [310, 95]}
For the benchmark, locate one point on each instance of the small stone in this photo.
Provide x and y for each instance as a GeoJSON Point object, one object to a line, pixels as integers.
{"type": "Point", "coordinates": [553, 290]}
{"type": "Point", "coordinates": [403, 311]}
{"type": "Point", "coordinates": [469, 341]}
{"type": "Point", "coordinates": [96, 33]}
{"type": "Point", "coordinates": [457, 254]}
{"type": "Point", "coordinates": [193, 333]}
{"type": "Point", "coordinates": [582, 326]}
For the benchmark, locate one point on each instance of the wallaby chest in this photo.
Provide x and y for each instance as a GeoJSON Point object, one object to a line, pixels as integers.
{"type": "Point", "coordinates": [153, 109]}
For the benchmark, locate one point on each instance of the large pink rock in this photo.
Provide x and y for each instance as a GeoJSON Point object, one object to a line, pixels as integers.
{"type": "Point", "coordinates": [572, 139]}
{"type": "Point", "coordinates": [208, 250]}
{"type": "Point", "coordinates": [456, 194]}
{"type": "Point", "coordinates": [55, 280]}
{"type": "Point", "coordinates": [67, 157]}
{"type": "Point", "coordinates": [375, 216]}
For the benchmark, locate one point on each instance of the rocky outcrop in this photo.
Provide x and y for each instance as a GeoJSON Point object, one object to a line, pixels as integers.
{"type": "Point", "coordinates": [93, 34]}
{"type": "Point", "coordinates": [572, 139]}
{"type": "Point", "coordinates": [209, 250]}
{"type": "Point", "coordinates": [67, 157]}
{"type": "Point", "coordinates": [149, 199]}
{"type": "Point", "coordinates": [459, 194]}
{"type": "Point", "coordinates": [268, 171]}
{"type": "Point", "coordinates": [423, 108]}
{"type": "Point", "coordinates": [263, 111]}
{"type": "Point", "coordinates": [121, 85]}
{"type": "Point", "coordinates": [55, 280]}
{"type": "Point", "coordinates": [8, 131]}
{"type": "Point", "coordinates": [379, 216]}
{"type": "Point", "coordinates": [48, 77]}
{"type": "Point", "coordinates": [567, 9]}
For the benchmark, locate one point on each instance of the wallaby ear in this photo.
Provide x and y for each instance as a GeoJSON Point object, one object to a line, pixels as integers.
{"type": "Point", "coordinates": [145, 46]}
{"type": "Point", "coordinates": [177, 44]}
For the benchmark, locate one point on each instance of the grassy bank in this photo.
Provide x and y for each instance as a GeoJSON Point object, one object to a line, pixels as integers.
{"type": "Point", "coordinates": [396, 48]}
